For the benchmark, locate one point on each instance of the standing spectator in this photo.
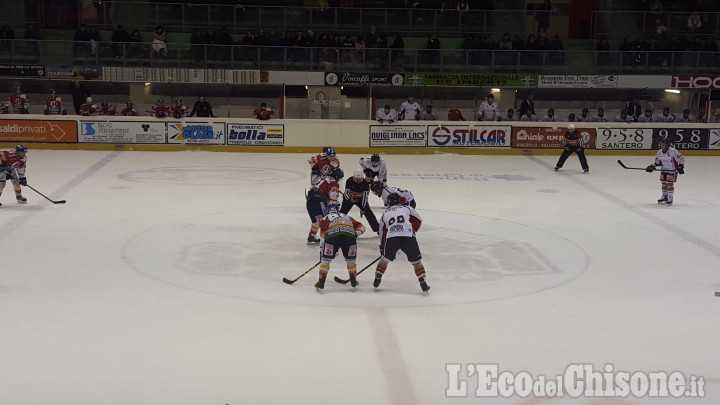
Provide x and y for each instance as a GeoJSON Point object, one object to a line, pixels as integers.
{"type": "Point", "coordinates": [542, 16]}
{"type": "Point", "coordinates": [584, 116]}
{"type": "Point", "coordinates": [510, 116]}
{"type": "Point", "coordinates": [129, 111]}
{"type": "Point", "coordinates": [685, 117]}
{"type": "Point", "coordinates": [624, 117]}
{"type": "Point", "coordinates": [454, 114]}
{"type": "Point", "coordinates": [6, 36]}
{"type": "Point", "coordinates": [386, 115]}
{"type": "Point", "coordinates": [488, 110]}
{"type": "Point", "coordinates": [224, 42]}
{"type": "Point", "coordinates": [202, 108]}
{"type": "Point", "coordinates": [263, 112]}
{"type": "Point", "coordinates": [81, 41]}
{"type": "Point", "coordinates": [410, 110]}
{"type": "Point", "coordinates": [647, 117]}
{"type": "Point", "coordinates": [550, 117]}
{"type": "Point", "coordinates": [634, 109]}
{"type": "Point", "coordinates": [159, 46]}
{"type": "Point", "coordinates": [433, 52]}
{"type": "Point", "coordinates": [572, 143]}
{"type": "Point", "coordinates": [18, 102]}
{"type": "Point", "coordinates": [197, 45]}
{"type": "Point", "coordinates": [79, 95]}
{"type": "Point", "coordinates": [527, 105]}
{"type": "Point", "coordinates": [603, 52]}
{"type": "Point", "coordinates": [428, 114]}
{"type": "Point", "coordinates": [600, 117]}
{"type": "Point", "coordinates": [119, 38]}
{"type": "Point", "coordinates": [694, 23]}
{"type": "Point", "coordinates": [94, 41]}
{"type": "Point", "coordinates": [398, 52]}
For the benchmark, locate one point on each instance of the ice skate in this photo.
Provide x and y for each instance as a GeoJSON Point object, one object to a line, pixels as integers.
{"type": "Point", "coordinates": [20, 199]}
{"type": "Point", "coordinates": [669, 202]}
{"type": "Point", "coordinates": [557, 168]}
{"type": "Point", "coordinates": [378, 279]}
{"type": "Point", "coordinates": [320, 284]}
{"type": "Point", "coordinates": [423, 285]}
{"type": "Point", "coordinates": [353, 281]}
{"type": "Point", "coordinates": [586, 170]}
{"type": "Point", "coordinates": [312, 239]}
{"type": "Point", "coordinates": [662, 199]}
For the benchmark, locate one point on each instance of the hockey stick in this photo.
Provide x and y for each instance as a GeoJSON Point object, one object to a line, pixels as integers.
{"type": "Point", "coordinates": [631, 168]}
{"type": "Point", "coordinates": [286, 281]}
{"type": "Point", "coordinates": [46, 197]}
{"type": "Point", "coordinates": [341, 281]}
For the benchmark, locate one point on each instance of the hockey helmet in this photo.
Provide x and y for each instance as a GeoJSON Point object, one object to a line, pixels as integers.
{"type": "Point", "coordinates": [88, 100]}
{"type": "Point", "coordinates": [375, 159]}
{"type": "Point", "coordinates": [178, 100]}
{"type": "Point", "coordinates": [571, 127]}
{"type": "Point", "coordinates": [332, 207]}
{"type": "Point", "coordinates": [338, 173]}
{"type": "Point", "coordinates": [376, 187]}
{"type": "Point", "coordinates": [358, 174]}
{"type": "Point", "coordinates": [664, 141]}
{"type": "Point", "coordinates": [330, 152]}
{"type": "Point", "coordinates": [58, 99]}
{"type": "Point", "coordinates": [21, 149]}
{"type": "Point", "coordinates": [393, 199]}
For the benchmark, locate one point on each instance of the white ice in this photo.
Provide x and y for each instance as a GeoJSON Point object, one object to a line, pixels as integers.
{"type": "Point", "coordinates": [159, 282]}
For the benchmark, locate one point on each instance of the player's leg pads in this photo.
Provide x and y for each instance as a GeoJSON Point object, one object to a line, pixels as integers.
{"type": "Point", "coordinates": [419, 269]}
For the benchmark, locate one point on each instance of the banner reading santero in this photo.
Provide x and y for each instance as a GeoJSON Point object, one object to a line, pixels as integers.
{"type": "Point", "coordinates": [256, 134]}
{"type": "Point", "coordinates": [122, 132]}
{"type": "Point", "coordinates": [396, 135]}
{"type": "Point", "coordinates": [468, 136]}
{"type": "Point", "coordinates": [196, 133]}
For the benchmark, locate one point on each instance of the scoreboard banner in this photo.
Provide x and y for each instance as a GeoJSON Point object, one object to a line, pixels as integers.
{"type": "Point", "coordinates": [624, 138]}
{"type": "Point", "coordinates": [682, 138]}
{"type": "Point", "coordinates": [468, 136]}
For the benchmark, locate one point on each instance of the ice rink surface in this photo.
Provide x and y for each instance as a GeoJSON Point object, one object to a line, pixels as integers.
{"type": "Point", "coordinates": [159, 282]}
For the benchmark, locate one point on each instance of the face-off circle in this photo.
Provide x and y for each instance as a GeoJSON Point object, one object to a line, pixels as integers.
{"type": "Point", "coordinates": [245, 254]}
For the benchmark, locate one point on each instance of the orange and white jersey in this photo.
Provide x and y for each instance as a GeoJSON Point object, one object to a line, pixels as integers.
{"type": "Point", "coordinates": [10, 158]}
{"type": "Point", "coordinates": [669, 160]}
{"type": "Point", "coordinates": [339, 224]}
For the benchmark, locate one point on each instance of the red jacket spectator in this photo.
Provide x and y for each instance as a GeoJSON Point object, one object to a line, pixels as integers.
{"type": "Point", "coordinates": [454, 114]}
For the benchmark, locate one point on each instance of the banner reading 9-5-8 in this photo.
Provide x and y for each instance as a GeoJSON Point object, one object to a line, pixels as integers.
{"type": "Point", "coordinates": [648, 138]}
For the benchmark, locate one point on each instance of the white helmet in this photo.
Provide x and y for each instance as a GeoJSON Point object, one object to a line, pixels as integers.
{"type": "Point", "coordinates": [88, 100]}
{"type": "Point", "coordinates": [358, 174]}
{"type": "Point", "coordinates": [58, 99]}
{"type": "Point", "coordinates": [571, 127]}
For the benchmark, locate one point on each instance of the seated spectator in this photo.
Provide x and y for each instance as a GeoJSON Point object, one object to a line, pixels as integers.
{"type": "Point", "coordinates": [386, 115]}
{"type": "Point", "coordinates": [454, 114]}
{"type": "Point", "coordinates": [624, 117]}
{"type": "Point", "coordinates": [634, 109]}
{"type": "Point", "coordinates": [81, 41]}
{"type": "Point", "coordinates": [571, 117]}
{"type": "Point", "coordinates": [647, 117]}
{"type": "Point", "coordinates": [6, 36]}
{"type": "Point", "coordinates": [94, 41]}
{"type": "Point", "coordinates": [550, 117]}
{"type": "Point", "coordinates": [135, 48]}
{"type": "Point", "coordinates": [600, 117]}
{"type": "Point", "coordinates": [106, 109]}
{"type": "Point", "coordinates": [88, 108]}
{"type": "Point", "coordinates": [202, 108]}
{"type": "Point", "coordinates": [528, 117]}
{"type": "Point", "coordinates": [197, 44]}
{"type": "Point", "coordinates": [685, 117]}
{"type": "Point", "coordinates": [557, 52]}
{"type": "Point", "coordinates": [263, 112]}
{"type": "Point", "coordinates": [179, 110]}
{"type": "Point", "coordinates": [119, 39]}
{"type": "Point", "coordinates": [18, 102]}
{"type": "Point", "coordinates": [129, 111]}
{"type": "Point", "coordinates": [666, 116]}
{"type": "Point", "coordinates": [428, 114]}
{"type": "Point", "coordinates": [410, 110]}
{"type": "Point", "coordinates": [159, 46]}
{"type": "Point", "coordinates": [159, 109]}
{"type": "Point", "coordinates": [224, 42]}
{"type": "Point", "coordinates": [584, 116]}
{"type": "Point", "coordinates": [715, 116]}
{"type": "Point", "coordinates": [510, 116]}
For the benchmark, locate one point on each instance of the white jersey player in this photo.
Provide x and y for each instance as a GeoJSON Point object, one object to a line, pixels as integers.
{"type": "Point", "coordinates": [383, 191]}
{"type": "Point", "coordinates": [410, 110]}
{"type": "Point", "coordinates": [374, 167]}
{"type": "Point", "coordinates": [397, 229]}
{"type": "Point", "coordinates": [489, 109]}
{"type": "Point", "coordinates": [386, 115]}
{"type": "Point", "coordinates": [671, 163]}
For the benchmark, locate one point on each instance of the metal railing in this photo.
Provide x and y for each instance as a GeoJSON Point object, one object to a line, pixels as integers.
{"type": "Point", "coordinates": [183, 55]}
{"type": "Point", "coordinates": [620, 24]}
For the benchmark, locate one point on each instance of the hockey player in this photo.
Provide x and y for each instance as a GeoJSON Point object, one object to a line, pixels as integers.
{"type": "Point", "coordinates": [398, 226]}
{"type": "Point", "coordinates": [323, 164]}
{"type": "Point", "coordinates": [339, 233]}
{"type": "Point", "coordinates": [488, 110]}
{"type": "Point", "coordinates": [410, 110]}
{"type": "Point", "coordinates": [383, 191]}
{"type": "Point", "coordinates": [573, 142]}
{"type": "Point", "coordinates": [374, 167]}
{"type": "Point", "coordinates": [12, 167]}
{"type": "Point", "coordinates": [159, 109]}
{"type": "Point", "coordinates": [357, 190]}
{"type": "Point", "coordinates": [129, 111]}
{"type": "Point", "coordinates": [3, 108]}
{"type": "Point", "coordinates": [54, 106]}
{"type": "Point", "coordinates": [179, 110]}
{"type": "Point", "coordinates": [106, 109]}
{"type": "Point", "coordinates": [263, 112]}
{"type": "Point", "coordinates": [666, 116]}
{"type": "Point", "coordinates": [624, 117]}
{"type": "Point", "coordinates": [671, 164]}
{"type": "Point", "coordinates": [324, 190]}
{"type": "Point", "coordinates": [386, 115]}
{"type": "Point", "coordinates": [19, 103]}
{"type": "Point", "coordinates": [89, 108]}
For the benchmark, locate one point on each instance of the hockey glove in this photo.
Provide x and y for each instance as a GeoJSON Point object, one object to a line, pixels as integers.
{"type": "Point", "coordinates": [369, 173]}
{"type": "Point", "coordinates": [650, 168]}
{"type": "Point", "coordinates": [681, 169]}
{"type": "Point", "coordinates": [23, 181]}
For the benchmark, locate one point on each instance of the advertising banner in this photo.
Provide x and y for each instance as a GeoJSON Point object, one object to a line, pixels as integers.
{"type": "Point", "coordinates": [714, 141]}
{"type": "Point", "coordinates": [196, 133]}
{"type": "Point", "coordinates": [395, 135]}
{"type": "Point", "coordinates": [695, 82]}
{"type": "Point", "coordinates": [363, 79]}
{"type": "Point", "coordinates": [38, 131]}
{"type": "Point", "coordinates": [574, 82]}
{"type": "Point", "coordinates": [547, 138]}
{"type": "Point", "coordinates": [436, 79]}
{"type": "Point", "coordinates": [74, 72]}
{"type": "Point", "coordinates": [256, 134]}
{"type": "Point", "coordinates": [120, 132]}
{"type": "Point", "coordinates": [468, 136]}
{"type": "Point", "coordinates": [624, 138]}
{"type": "Point", "coordinates": [682, 138]}
{"type": "Point", "coordinates": [22, 71]}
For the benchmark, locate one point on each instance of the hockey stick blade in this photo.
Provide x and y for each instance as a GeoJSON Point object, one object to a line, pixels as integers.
{"type": "Point", "coordinates": [631, 168]}
{"type": "Point", "coordinates": [341, 281]}
{"type": "Point", "coordinates": [287, 281]}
